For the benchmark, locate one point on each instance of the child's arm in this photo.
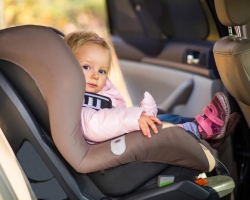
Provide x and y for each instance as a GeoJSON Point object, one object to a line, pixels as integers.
{"type": "Point", "coordinates": [148, 104]}
{"type": "Point", "coordinates": [106, 124]}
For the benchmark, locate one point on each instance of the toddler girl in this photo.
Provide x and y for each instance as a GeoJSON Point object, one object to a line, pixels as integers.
{"type": "Point", "coordinates": [94, 56]}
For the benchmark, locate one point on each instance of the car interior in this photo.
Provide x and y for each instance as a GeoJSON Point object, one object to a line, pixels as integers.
{"type": "Point", "coordinates": [179, 51]}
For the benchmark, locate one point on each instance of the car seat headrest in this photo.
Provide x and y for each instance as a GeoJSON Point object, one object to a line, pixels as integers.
{"type": "Point", "coordinates": [233, 13]}
{"type": "Point", "coordinates": [58, 32]}
{"type": "Point", "coordinates": [35, 49]}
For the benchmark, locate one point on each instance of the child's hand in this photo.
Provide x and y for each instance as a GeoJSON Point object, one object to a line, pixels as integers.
{"type": "Point", "coordinates": [147, 122]}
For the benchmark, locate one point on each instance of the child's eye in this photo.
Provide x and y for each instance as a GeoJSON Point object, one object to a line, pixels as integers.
{"type": "Point", "coordinates": [102, 71]}
{"type": "Point", "coordinates": [86, 67]}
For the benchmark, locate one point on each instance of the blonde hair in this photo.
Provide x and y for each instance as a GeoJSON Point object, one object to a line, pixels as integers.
{"type": "Point", "coordinates": [77, 39]}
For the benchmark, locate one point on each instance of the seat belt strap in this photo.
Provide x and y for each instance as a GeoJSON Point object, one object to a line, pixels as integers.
{"type": "Point", "coordinates": [96, 101]}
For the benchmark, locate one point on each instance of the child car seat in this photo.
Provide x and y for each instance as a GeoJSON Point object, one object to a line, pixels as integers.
{"type": "Point", "coordinates": [41, 94]}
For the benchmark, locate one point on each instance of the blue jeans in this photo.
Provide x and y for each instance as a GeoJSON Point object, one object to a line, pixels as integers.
{"type": "Point", "coordinates": [174, 119]}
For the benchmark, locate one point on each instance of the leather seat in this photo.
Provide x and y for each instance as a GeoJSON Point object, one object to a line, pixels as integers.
{"type": "Point", "coordinates": [232, 57]}
{"type": "Point", "coordinates": [232, 52]}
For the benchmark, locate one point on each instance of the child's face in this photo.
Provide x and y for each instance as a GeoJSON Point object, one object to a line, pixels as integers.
{"type": "Point", "coordinates": [95, 61]}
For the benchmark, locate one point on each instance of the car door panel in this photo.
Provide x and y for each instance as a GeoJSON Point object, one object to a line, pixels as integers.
{"type": "Point", "coordinates": [174, 91]}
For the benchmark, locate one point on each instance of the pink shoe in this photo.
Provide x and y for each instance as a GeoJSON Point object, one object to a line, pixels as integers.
{"type": "Point", "coordinates": [233, 121]}
{"type": "Point", "coordinates": [213, 123]}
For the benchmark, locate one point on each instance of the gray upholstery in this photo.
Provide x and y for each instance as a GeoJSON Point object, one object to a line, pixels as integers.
{"type": "Point", "coordinates": [58, 76]}
{"type": "Point", "coordinates": [232, 53]}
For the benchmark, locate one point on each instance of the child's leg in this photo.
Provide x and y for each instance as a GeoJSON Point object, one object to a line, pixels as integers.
{"type": "Point", "coordinates": [232, 123]}
{"type": "Point", "coordinates": [216, 124]}
{"type": "Point", "coordinates": [192, 129]}
{"type": "Point", "coordinates": [174, 119]}
{"type": "Point", "coordinates": [213, 123]}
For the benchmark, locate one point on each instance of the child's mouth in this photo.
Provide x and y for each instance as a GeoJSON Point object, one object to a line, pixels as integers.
{"type": "Point", "coordinates": [92, 85]}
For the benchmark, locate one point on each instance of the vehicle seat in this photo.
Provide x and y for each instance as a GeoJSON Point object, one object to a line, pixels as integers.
{"type": "Point", "coordinates": [232, 52]}
{"type": "Point", "coordinates": [232, 57]}
{"type": "Point", "coordinates": [41, 95]}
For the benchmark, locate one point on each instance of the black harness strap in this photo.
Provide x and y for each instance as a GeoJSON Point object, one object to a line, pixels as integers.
{"type": "Point", "coordinates": [96, 101]}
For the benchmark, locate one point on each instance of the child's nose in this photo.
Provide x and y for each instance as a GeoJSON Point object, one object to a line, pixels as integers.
{"type": "Point", "coordinates": [95, 75]}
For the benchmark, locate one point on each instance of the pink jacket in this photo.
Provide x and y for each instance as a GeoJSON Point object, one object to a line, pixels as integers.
{"type": "Point", "coordinates": [105, 124]}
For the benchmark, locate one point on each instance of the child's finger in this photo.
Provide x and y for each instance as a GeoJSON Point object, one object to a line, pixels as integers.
{"type": "Point", "coordinates": [149, 134]}
{"type": "Point", "coordinates": [145, 129]}
{"type": "Point", "coordinates": [152, 125]}
{"type": "Point", "coordinates": [148, 130]}
{"type": "Point", "coordinates": [155, 119]}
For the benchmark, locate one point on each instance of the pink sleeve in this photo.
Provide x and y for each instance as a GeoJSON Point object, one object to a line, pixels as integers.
{"type": "Point", "coordinates": [148, 104]}
{"type": "Point", "coordinates": [105, 124]}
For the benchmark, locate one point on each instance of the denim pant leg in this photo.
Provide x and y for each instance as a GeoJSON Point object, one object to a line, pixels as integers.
{"type": "Point", "coordinates": [174, 119]}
